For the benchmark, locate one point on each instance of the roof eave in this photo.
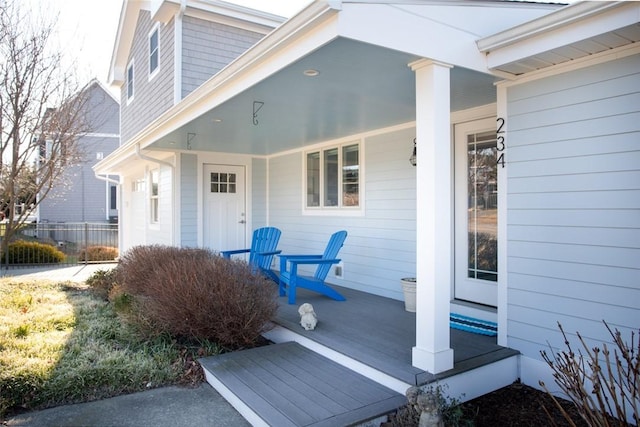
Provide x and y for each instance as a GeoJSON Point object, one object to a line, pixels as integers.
{"type": "Point", "coordinates": [310, 16]}
{"type": "Point", "coordinates": [562, 17]}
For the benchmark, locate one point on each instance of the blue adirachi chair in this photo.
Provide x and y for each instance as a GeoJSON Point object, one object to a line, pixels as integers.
{"type": "Point", "coordinates": [290, 280]}
{"type": "Point", "coordinates": [263, 248]}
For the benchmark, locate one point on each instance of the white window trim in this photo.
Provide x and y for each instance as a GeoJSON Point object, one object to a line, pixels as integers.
{"type": "Point", "coordinates": [335, 210]}
{"type": "Point", "coordinates": [151, 199]}
{"type": "Point", "coordinates": [152, 74]}
{"type": "Point", "coordinates": [131, 66]}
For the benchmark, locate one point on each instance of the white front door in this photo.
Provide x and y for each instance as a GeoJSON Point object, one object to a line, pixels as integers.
{"type": "Point", "coordinates": [224, 207]}
{"type": "Point", "coordinates": [476, 212]}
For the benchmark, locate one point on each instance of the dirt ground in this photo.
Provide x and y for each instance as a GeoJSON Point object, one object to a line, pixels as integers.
{"type": "Point", "coordinates": [516, 405]}
{"type": "Point", "coordinates": [519, 405]}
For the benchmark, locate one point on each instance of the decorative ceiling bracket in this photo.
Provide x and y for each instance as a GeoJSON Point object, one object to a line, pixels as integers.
{"type": "Point", "coordinates": [190, 137]}
{"type": "Point", "coordinates": [257, 105]}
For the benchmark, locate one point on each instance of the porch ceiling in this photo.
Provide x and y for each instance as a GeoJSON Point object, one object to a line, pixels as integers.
{"type": "Point", "coordinates": [359, 87]}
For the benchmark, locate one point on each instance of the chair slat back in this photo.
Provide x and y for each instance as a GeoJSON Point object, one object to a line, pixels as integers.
{"type": "Point", "coordinates": [331, 252]}
{"type": "Point", "coordinates": [264, 239]}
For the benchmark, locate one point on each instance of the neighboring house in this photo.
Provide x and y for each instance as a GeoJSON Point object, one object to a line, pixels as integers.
{"type": "Point", "coordinates": [81, 196]}
{"type": "Point", "coordinates": [524, 205]}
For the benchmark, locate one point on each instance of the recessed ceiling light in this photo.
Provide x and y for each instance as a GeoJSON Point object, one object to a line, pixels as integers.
{"type": "Point", "coordinates": [217, 120]}
{"type": "Point", "coordinates": [311, 72]}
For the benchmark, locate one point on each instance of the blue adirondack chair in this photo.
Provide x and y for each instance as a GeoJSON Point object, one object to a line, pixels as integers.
{"type": "Point", "coordinates": [263, 248]}
{"type": "Point", "coordinates": [290, 280]}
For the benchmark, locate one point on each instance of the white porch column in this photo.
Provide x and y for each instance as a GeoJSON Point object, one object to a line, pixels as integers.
{"type": "Point", "coordinates": [434, 221]}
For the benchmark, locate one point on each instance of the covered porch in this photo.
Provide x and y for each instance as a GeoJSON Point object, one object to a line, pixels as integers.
{"type": "Point", "coordinates": [354, 367]}
{"type": "Point", "coordinates": [375, 335]}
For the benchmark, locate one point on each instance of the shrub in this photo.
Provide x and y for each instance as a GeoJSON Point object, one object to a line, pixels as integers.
{"type": "Point", "coordinates": [98, 253]}
{"type": "Point", "coordinates": [197, 294]}
{"type": "Point", "coordinates": [600, 383]}
{"type": "Point", "coordinates": [23, 252]}
{"type": "Point", "coordinates": [101, 282]}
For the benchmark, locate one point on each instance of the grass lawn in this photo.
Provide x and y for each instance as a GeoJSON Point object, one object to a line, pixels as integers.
{"type": "Point", "coordinates": [60, 343]}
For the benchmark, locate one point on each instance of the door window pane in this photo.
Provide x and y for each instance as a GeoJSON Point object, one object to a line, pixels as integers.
{"type": "Point", "coordinates": [223, 182]}
{"type": "Point", "coordinates": [482, 206]}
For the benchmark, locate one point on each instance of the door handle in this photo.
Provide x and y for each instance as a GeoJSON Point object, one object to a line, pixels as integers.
{"type": "Point", "coordinates": [242, 221]}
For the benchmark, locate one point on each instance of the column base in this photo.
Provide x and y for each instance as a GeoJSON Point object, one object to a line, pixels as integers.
{"type": "Point", "coordinates": [433, 363]}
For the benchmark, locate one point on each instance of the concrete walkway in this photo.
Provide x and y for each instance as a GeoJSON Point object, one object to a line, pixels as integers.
{"type": "Point", "coordinates": [167, 406]}
{"type": "Point", "coordinates": [73, 273]}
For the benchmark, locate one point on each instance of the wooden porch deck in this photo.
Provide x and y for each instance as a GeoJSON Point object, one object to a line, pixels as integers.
{"type": "Point", "coordinates": [355, 366]}
{"type": "Point", "coordinates": [380, 333]}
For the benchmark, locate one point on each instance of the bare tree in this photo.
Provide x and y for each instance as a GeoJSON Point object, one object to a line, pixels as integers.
{"type": "Point", "coordinates": [41, 113]}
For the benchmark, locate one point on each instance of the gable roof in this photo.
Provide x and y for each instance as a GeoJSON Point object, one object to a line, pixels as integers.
{"type": "Point", "coordinates": [164, 10]}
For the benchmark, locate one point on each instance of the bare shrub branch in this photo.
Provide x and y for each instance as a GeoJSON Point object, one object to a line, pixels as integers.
{"type": "Point", "coordinates": [604, 389]}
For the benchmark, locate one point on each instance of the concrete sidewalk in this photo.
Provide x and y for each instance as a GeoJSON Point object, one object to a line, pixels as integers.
{"type": "Point", "coordinates": [168, 406]}
{"type": "Point", "coordinates": [72, 273]}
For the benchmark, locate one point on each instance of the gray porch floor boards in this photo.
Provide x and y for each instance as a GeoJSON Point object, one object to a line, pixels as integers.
{"type": "Point", "coordinates": [378, 332]}
{"type": "Point", "coordinates": [289, 385]}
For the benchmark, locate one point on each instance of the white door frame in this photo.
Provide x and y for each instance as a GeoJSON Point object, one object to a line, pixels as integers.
{"type": "Point", "coordinates": [465, 288]}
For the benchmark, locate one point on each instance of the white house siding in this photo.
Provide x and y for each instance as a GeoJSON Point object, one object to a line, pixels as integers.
{"type": "Point", "coordinates": [573, 153]}
{"type": "Point", "coordinates": [162, 232]}
{"type": "Point", "coordinates": [380, 247]}
{"type": "Point", "coordinates": [188, 200]}
{"type": "Point", "coordinates": [151, 97]}
{"type": "Point", "coordinates": [259, 217]}
{"type": "Point", "coordinates": [207, 47]}
{"type": "Point", "coordinates": [133, 220]}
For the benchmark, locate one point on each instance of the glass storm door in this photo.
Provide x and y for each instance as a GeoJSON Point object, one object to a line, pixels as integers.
{"type": "Point", "coordinates": [224, 207]}
{"type": "Point", "coordinates": [476, 212]}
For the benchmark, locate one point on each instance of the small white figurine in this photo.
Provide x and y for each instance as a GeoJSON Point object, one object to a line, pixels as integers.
{"type": "Point", "coordinates": [308, 318]}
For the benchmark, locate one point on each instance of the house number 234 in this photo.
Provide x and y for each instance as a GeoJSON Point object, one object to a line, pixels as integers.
{"type": "Point", "coordinates": [500, 145]}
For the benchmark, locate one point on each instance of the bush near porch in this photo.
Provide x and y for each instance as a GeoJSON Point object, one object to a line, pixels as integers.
{"type": "Point", "coordinates": [194, 293]}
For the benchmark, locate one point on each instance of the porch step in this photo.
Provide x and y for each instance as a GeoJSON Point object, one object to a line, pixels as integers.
{"type": "Point", "coordinates": [289, 385]}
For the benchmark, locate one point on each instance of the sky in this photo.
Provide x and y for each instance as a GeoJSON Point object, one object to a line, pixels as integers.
{"type": "Point", "coordinates": [86, 29]}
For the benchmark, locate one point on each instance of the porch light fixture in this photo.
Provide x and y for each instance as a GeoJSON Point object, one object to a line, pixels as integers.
{"type": "Point", "coordinates": [311, 72]}
{"type": "Point", "coordinates": [413, 159]}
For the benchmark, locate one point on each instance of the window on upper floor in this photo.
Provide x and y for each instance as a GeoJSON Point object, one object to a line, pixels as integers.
{"type": "Point", "coordinates": [154, 51]}
{"type": "Point", "coordinates": [333, 178]}
{"type": "Point", "coordinates": [129, 82]}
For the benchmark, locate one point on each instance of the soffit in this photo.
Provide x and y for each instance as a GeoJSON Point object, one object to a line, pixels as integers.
{"type": "Point", "coordinates": [574, 32]}
{"type": "Point", "coordinates": [359, 88]}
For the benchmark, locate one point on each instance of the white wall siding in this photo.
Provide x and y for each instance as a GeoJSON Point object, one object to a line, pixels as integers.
{"type": "Point", "coordinates": [188, 200]}
{"type": "Point", "coordinates": [207, 47]}
{"type": "Point", "coordinates": [574, 205]}
{"type": "Point", "coordinates": [151, 97]}
{"type": "Point", "coordinates": [380, 247]}
{"type": "Point", "coordinates": [259, 194]}
{"type": "Point", "coordinates": [162, 232]}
